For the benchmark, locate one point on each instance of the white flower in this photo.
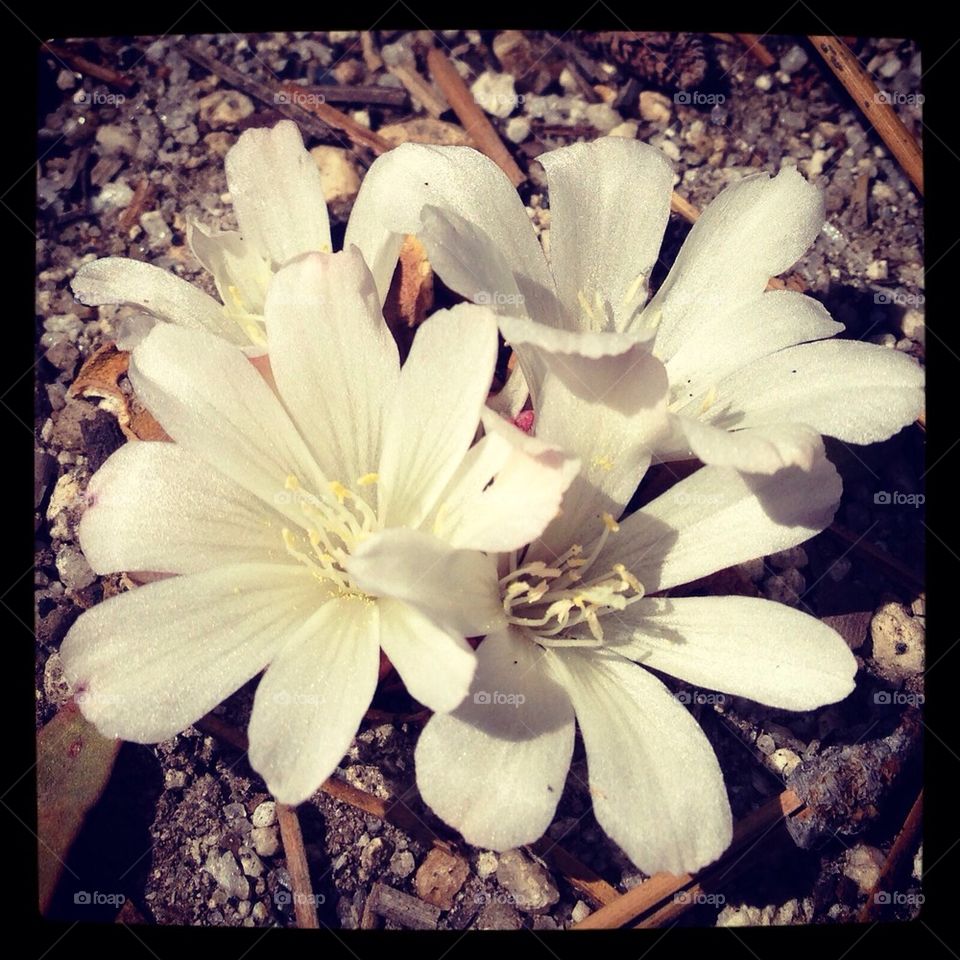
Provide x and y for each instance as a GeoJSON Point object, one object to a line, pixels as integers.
{"type": "Point", "coordinates": [268, 505]}
{"type": "Point", "coordinates": [278, 199]}
{"type": "Point", "coordinates": [572, 623]}
{"type": "Point", "coordinates": [754, 376]}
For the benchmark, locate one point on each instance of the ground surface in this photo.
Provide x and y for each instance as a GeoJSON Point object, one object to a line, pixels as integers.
{"type": "Point", "coordinates": [185, 830]}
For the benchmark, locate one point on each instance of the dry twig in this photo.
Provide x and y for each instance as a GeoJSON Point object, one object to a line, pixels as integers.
{"type": "Point", "coordinates": [82, 65]}
{"type": "Point", "coordinates": [488, 141]}
{"type": "Point", "coordinates": [334, 118]}
{"type": "Point", "coordinates": [304, 904]}
{"type": "Point", "coordinates": [875, 106]}
{"type": "Point", "coordinates": [755, 46]}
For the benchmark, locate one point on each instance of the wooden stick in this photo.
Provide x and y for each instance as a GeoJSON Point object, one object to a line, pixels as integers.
{"type": "Point", "coordinates": [725, 37]}
{"type": "Point", "coordinates": [82, 65]}
{"type": "Point", "coordinates": [252, 88]}
{"type": "Point", "coordinates": [304, 902]}
{"type": "Point", "coordinates": [419, 89]}
{"type": "Point", "coordinates": [755, 46]}
{"type": "Point", "coordinates": [363, 95]}
{"type": "Point", "coordinates": [875, 106]}
{"type": "Point", "coordinates": [139, 200]}
{"type": "Point", "coordinates": [334, 118]}
{"type": "Point", "coordinates": [906, 842]}
{"type": "Point", "coordinates": [577, 874]}
{"type": "Point", "coordinates": [684, 207]}
{"type": "Point", "coordinates": [652, 894]}
{"type": "Point", "coordinates": [488, 141]}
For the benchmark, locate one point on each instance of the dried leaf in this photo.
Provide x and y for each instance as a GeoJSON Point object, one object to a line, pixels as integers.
{"type": "Point", "coordinates": [100, 377]}
{"type": "Point", "coordinates": [73, 766]}
{"type": "Point", "coordinates": [411, 292]}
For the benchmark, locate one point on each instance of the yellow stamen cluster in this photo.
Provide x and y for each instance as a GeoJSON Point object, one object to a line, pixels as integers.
{"type": "Point", "coordinates": [334, 523]}
{"type": "Point", "coordinates": [556, 597]}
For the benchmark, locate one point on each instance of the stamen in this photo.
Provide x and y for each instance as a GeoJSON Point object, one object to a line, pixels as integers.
{"type": "Point", "coordinates": [367, 479]}
{"type": "Point", "coordinates": [709, 399]}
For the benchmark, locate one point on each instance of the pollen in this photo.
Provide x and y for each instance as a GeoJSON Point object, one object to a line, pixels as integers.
{"type": "Point", "coordinates": [603, 462]}
{"type": "Point", "coordinates": [610, 523]}
{"type": "Point", "coordinates": [368, 479]}
{"type": "Point", "coordinates": [339, 490]}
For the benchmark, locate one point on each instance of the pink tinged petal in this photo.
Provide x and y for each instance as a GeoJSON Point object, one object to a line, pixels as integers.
{"type": "Point", "coordinates": [335, 363]}
{"type": "Point", "coordinates": [148, 663]}
{"type": "Point", "coordinates": [744, 646]}
{"type": "Point", "coordinates": [757, 450]}
{"type": "Point", "coordinates": [311, 700]}
{"type": "Point", "coordinates": [435, 411]}
{"type": "Point", "coordinates": [240, 272]}
{"type": "Point", "coordinates": [209, 398]}
{"type": "Point", "coordinates": [753, 230]}
{"type": "Point", "coordinates": [656, 785]}
{"type": "Point", "coordinates": [436, 665]}
{"type": "Point", "coordinates": [749, 332]}
{"type": "Point", "coordinates": [603, 398]}
{"type": "Point", "coordinates": [507, 490]}
{"type": "Point", "coordinates": [277, 194]}
{"type": "Point", "coordinates": [495, 768]}
{"type": "Point", "coordinates": [158, 507]}
{"type": "Point", "coordinates": [609, 207]}
{"type": "Point", "coordinates": [159, 292]}
{"type": "Point", "coordinates": [461, 181]}
{"type": "Point", "coordinates": [509, 401]}
{"type": "Point", "coordinates": [456, 589]}
{"type": "Point", "coordinates": [717, 517]}
{"type": "Point", "coordinates": [857, 392]}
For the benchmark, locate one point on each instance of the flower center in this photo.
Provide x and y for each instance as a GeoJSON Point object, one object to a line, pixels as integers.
{"type": "Point", "coordinates": [549, 599]}
{"type": "Point", "coordinates": [335, 523]}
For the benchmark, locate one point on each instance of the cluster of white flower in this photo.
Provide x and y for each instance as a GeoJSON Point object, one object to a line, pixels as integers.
{"type": "Point", "coordinates": [324, 503]}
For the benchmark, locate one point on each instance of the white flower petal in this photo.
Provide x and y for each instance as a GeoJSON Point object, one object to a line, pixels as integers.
{"type": "Point", "coordinates": [507, 490]}
{"type": "Point", "coordinates": [750, 331]}
{"type": "Point", "coordinates": [513, 396]}
{"type": "Point", "coordinates": [158, 507]}
{"type": "Point", "coordinates": [495, 768]}
{"type": "Point", "coordinates": [161, 293]}
{"type": "Point", "coordinates": [740, 645]}
{"type": "Point", "coordinates": [753, 230]}
{"type": "Point", "coordinates": [277, 193]}
{"type": "Point", "coordinates": [436, 666]}
{"type": "Point", "coordinates": [609, 207]}
{"type": "Point", "coordinates": [149, 663]}
{"type": "Point", "coordinates": [656, 785]}
{"type": "Point", "coordinates": [857, 392]}
{"type": "Point", "coordinates": [457, 589]}
{"type": "Point", "coordinates": [759, 450]}
{"type": "Point", "coordinates": [335, 364]}
{"type": "Point", "coordinates": [435, 411]}
{"type": "Point", "coordinates": [209, 398]}
{"type": "Point", "coordinates": [312, 698]}
{"type": "Point", "coordinates": [603, 397]}
{"type": "Point", "coordinates": [241, 274]}
{"type": "Point", "coordinates": [410, 177]}
{"type": "Point", "coordinates": [717, 517]}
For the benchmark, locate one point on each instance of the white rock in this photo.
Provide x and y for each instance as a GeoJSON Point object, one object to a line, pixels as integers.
{"type": "Point", "coordinates": [113, 139]}
{"type": "Point", "coordinates": [75, 572]}
{"type": "Point", "coordinates": [265, 841]}
{"type": "Point", "coordinates": [863, 864]}
{"type": "Point", "coordinates": [486, 863]}
{"type": "Point", "coordinates": [517, 129]}
{"type": "Point", "coordinates": [898, 642]}
{"type": "Point", "coordinates": [265, 814]}
{"type": "Point", "coordinates": [628, 130]}
{"type": "Point", "coordinates": [763, 82]}
{"type": "Point", "coordinates": [580, 912]}
{"type": "Point", "coordinates": [530, 886]}
{"type": "Point", "coordinates": [112, 196]}
{"type": "Point", "coordinates": [224, 108]}
{"type": "Point", "coordinates": [912, 325]}
{"type": "Point", "coordinates": [495, 93]}
{"type": "Point", "coordinates": [224, 869]}
{"type": "Point", "coordinates": [654, 107]}
{"type": "Point", "coordinates": [602, 117]}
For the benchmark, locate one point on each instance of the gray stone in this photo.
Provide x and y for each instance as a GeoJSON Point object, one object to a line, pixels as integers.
{"type": "Point", "coordinates": [898, 643]}
{"type": "Point", "coordinates": [497, 915]}
{"type": "Point", "coordinates": [529, 885]}
{"type": "Point", "coordinates": [402, 864]}
{"type": "Point", "coordinates": [794, 59]}
{"type": "Point", "coordinates": [74, 571]}
{"type": "Point", "coordinates": [224, 869]}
